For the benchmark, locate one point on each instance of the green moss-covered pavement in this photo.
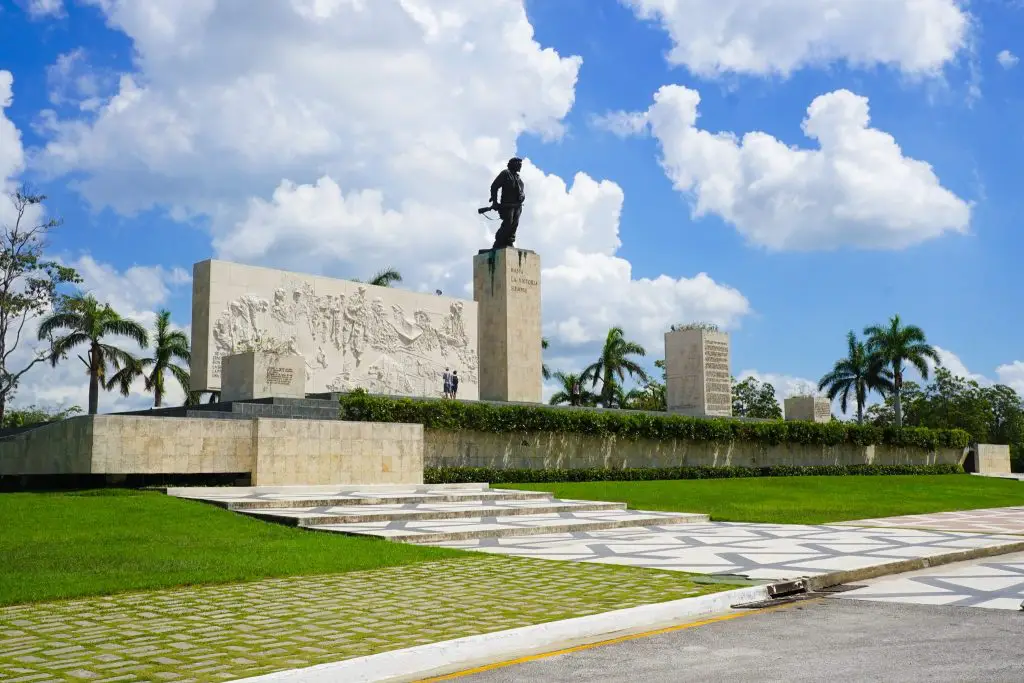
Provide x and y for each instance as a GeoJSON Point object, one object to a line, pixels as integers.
{"type": "Point", "coordinates": [800, 500]}
{"type": "Point", "coordinates": [215, 633]}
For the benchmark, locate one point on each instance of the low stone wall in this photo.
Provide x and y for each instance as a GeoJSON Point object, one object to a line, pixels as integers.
{"type": "Point", "coordinates": [274, 451]}
{"type": "Point", "coordinates": [572, 451]}
{"type": "Point", "coordinates": [991, 459]}
{"type": "Point", "coordinates": [301, 452]}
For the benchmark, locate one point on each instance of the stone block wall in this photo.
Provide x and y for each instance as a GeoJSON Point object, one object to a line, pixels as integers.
{"type": "Point", "coordinates": [571, 451]}
{"type": "Point", "coordinates": [274, 451]}
{"type": "Point", "coordinates": [992, 459]}
{"type": "Point", "coordinates": [297, 452]}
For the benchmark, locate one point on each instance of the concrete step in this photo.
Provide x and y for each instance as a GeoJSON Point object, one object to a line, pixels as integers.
{"type": "Point", "coordinates": [355, 514]}
{"type": "Point", "coordinates": [469, 528]}
{"type": "Point", "coordinates": [396, 498]}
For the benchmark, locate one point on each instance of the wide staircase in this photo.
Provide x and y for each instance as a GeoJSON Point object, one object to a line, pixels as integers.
{"type": "Point", "coordinates": [429, 513]}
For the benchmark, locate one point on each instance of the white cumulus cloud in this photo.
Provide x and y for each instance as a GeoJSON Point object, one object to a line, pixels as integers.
{"type": "Point", "coordinates": [856, 188]}
{"type": "Point", "coordinates": [763, 37]}
{"type": "Point", "coordinates": [37, 9]}
{"type": "Point", "coordinates": [1007, 59]}
{"type": "Point", "coordinates": [340, 137]}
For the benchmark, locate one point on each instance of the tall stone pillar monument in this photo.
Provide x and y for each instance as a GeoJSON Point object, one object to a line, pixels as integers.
{"type": "Point", "coordinates": [506, 287]}
{"type": "Point", "coordinates": [698, 381]}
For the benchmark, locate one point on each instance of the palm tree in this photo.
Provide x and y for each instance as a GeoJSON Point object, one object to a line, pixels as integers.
{"type": "Point", "coordinates": [88, 322]}
{"type": "Point", "coordinates": [571, 390]}
{"type": "Point", "coordinates": [900, 345]}
{"type": "Point", "coordinates": [859, 373]}
{"type": "Point", "coordinates": [168, 346]}
{"type": "Point", "coordinates": [545, 371]}
{"type": "Point", "coordinates": [383, 278]}
{"type": "Point", "coordinates": [614, 362]}
{"type": "Point", "coordinates": [194, 398]}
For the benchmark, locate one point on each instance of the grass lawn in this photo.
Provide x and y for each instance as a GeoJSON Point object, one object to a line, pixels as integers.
{"type": "Point", "coordinates": [62, 545]}
{"type": "Point", "coordinates": [800, 500]}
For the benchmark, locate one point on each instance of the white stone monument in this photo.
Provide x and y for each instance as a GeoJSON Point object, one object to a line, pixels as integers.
{"type": "Point", "coordinates": [349, 334]}
{"type": "Point", "coordinates": [808, 408]}
{"type": "Point", "coordinates": [698, 380]}
{"type": "Point", "coordinates": [259, 374]}
{"type": "Point", "coordinates": [506, 287]}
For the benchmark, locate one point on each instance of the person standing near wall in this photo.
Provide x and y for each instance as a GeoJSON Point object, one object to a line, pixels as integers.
{"type": "Point", "coordinates": [447, 379]}
{"type": "Point", "coordinates": [455, 383]}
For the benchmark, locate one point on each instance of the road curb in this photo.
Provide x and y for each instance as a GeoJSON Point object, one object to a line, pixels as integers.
{"type": "Point", "coordinates": [446, 657]}
{"type": "Point", "coordinates": [815, 583]}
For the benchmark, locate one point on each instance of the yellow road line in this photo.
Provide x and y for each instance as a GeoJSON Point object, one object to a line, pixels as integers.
{"type": "Point", "coordinates": [602, 643]}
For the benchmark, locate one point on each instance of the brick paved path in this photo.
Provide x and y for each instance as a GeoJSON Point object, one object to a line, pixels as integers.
{"type": "Point", "coordinates": [216, 633]}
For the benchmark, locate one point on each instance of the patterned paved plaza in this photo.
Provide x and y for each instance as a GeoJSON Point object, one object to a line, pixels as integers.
{"type": "Point", "coordinates": [758, 551]}
{"type": "Point", "coordinates": [217, 633]}
{"type": "Point", "coordinates": [987, 521]}
{"type": "Point", "coordinates": [992, 583]}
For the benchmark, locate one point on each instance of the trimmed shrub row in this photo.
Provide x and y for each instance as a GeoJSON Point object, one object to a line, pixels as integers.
{"type": "Point", "coordinates": [469, 475]}
{"type": "Point", "coordinates": [482, 417]}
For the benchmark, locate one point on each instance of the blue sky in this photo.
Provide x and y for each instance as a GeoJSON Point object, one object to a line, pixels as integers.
{"type": "Point", "coordinates": [180, 171]}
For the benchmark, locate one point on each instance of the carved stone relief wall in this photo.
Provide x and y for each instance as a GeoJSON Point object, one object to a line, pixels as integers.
{"type": "Point", "coordinates": [350, 335]}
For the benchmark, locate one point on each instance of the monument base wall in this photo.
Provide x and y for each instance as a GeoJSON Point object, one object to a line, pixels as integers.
{"type": "Point", "coordinates": [553, 450]}
{"type": "Point", "coordinates": [273, 451]}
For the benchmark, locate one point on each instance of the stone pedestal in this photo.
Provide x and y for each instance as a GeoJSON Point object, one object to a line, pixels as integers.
{"type": "Point", "coordinates": [991, 458]}
{"type": "Point", "coordinates": [697, 373]}
{"type": "Point", "coordinates": [506, 287]}
{"type": "Point", "coordinates": [808, 408]}
{"type": "Point", "coordinates": [258, 374]}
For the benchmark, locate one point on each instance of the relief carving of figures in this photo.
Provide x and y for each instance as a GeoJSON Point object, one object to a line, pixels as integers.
{"type": "Point", "coordinates": [348, 341]}
{"type": "Point", "coordinates": [355, 316]}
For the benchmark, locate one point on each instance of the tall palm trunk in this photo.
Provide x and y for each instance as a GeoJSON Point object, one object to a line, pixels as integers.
{"type": "Point", "coordinates": [94, 379]}
{"type": "Point", "coordinates": [897, 403]}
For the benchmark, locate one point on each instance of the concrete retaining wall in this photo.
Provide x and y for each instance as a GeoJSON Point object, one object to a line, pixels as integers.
{"type": "Point", "coordinates": [571, 451]}
{"type": "Point", "coordinates": [274, 451]}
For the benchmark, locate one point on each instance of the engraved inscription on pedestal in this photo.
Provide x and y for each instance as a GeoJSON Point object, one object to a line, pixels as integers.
{"type": "Point", "coordinates": [261, 374]}
{"type": "Point", "coordinates": [281, 376]}
{"type": "Point", "coordinates": [699, 380]}
{"type": "Point", "coordinates": [808, 408]}
{"type": "Point", "coordinates": [717, 379]}
{"type": "Point", "coordinates": [349, 335]}
{"type": "Point", "coordinates": [506, 287]}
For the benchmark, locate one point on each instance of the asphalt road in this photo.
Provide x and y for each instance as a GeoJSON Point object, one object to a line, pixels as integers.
{"type": "Point", "coordinates": [820, 640]}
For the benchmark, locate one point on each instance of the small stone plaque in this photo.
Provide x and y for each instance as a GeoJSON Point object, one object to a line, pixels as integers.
{"type": "Point", "coordinates": [281, 376]}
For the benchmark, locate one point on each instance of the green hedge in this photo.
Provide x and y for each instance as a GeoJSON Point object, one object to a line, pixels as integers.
{"type": "Point", "coordinates": [484, 417]}
{"type": "Point", "coordinates": [491, 475]}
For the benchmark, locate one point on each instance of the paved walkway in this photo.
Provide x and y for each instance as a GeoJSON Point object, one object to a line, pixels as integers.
{"type": "Point", "coordinates": [758, 551]}
{"type": "Point", "coordinates": [987, 521]}
{"type": "Point", "coordinates": [216, 633]}
{"type": "Point", "coordinates": [992, 583]}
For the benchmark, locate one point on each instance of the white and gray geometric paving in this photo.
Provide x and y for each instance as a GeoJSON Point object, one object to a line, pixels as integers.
{"type": "Point", "coordinates": [1008, 520]}
{"type": "Point", "coordinates": [757, 551]}
{"type": "Point", "coordinates": [990, 583]}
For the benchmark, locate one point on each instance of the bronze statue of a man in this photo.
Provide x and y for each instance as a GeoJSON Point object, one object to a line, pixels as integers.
{"type": "Point", "coordinates": [513, 194]}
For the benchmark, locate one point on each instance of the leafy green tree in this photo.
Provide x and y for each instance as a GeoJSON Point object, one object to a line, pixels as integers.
{"type": "Point", "coordinates": [884, 414]}
{"type": "Point", "coordinates": [545, 371]}
{"type": "Point", "coordinates": [383, 278]}
{"type": "Point", "coordinates": [85, 321]}
{"type": "Point", "coordinates": [169, 345]}
{"type": "Point", "coordinates": [28, 286]}
{"type": "Point", "coordinates": [751, 398]}
{"type": "Point", "coordinates": [900, 346]}
{"type": "Point", "coordinates": [194, 398]}
{"type": "Point", "coordinates": [571, 391]}
{"type": "Point", "coordinates": [856, 376]}
{"type": "Point", "coordinates": [34, 415]}
{"type": "Point", "coordinates": [614, 365]}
